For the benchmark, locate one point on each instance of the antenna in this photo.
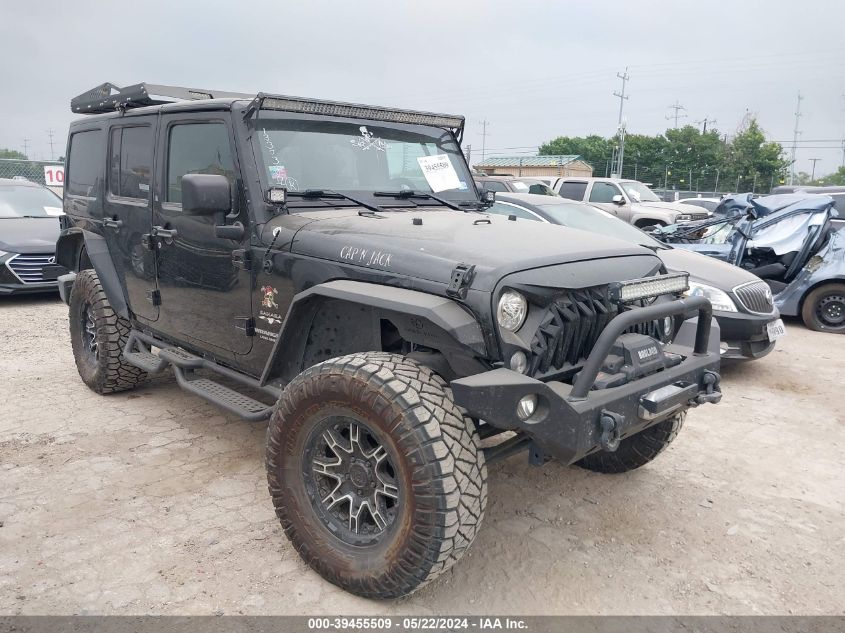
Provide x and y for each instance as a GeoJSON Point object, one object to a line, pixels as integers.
{"type": "Point", "coordinates": [50, 134]}
{"type": "Point", "coordinates": [484, 125]}
{"type": "Point", "coordinates": [26, 147]}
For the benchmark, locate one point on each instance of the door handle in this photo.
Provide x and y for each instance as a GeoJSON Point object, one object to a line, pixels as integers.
{"type": "Point", "coordinates": [113, 223]}
{"type": "Point", "coordinates": [160, 231]}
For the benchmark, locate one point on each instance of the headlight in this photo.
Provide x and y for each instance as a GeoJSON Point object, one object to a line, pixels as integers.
{"type": "Point", "coordinates": [718, 299]}
{"type": "Point", "coordinates": [512, 310]}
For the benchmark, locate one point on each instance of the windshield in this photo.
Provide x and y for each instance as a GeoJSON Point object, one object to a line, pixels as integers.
{"type": "Point", "coordinates": [638, 192]}
{"type": "Point", "coordinates": [593, 219]}
{"type": "Point", "coordinates": [18, 201]}
{"type": "Point", "coordinates": [303, 154]}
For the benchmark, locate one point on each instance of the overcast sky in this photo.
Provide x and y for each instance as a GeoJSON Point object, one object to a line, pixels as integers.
{"type": "Point", "coordinates": [534, 70]}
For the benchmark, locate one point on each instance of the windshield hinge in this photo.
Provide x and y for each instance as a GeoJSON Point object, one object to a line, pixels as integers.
{"type": "Point", "coordinates": [461, 279]}
{"type": "Point", "coordinates": [246, 325]}
{"type": "Point", "coordinates": [242, 258]}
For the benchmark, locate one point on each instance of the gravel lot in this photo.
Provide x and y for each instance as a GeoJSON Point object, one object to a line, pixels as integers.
{"type": "Point", "coordinates": [153, 501]}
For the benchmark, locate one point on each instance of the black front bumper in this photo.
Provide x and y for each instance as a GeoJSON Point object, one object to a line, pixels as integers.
{"type": "Point", "coordinates": [745, 335]}
{"type": "Point", "coordinates": [571, 421]}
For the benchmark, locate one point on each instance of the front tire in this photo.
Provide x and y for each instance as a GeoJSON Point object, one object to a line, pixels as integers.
{"type": "Point", "coordinates": [376, 475]}
{"type": "Point", "coordinates": [98, 335]}
{"type": "Point", "coordinates": [637, 450]}
{"type": "Point", "coordinates": [824, 309]}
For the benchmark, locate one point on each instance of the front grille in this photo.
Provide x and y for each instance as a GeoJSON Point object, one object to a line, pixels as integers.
{"type": "Point", "coordinates": [698, 216]}
{"type": "Point", "coordinates": [30, 268]}
{"type": "Point", "coordinates": [572, 325]}
{"type": "Point", "coordinates": [755, 297]}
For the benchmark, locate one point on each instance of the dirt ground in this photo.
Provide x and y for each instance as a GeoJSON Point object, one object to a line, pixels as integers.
{"type": "Point", "coordinates": [153, 501]}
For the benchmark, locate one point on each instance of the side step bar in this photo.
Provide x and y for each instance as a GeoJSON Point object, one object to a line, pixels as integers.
{"type": "Point", "coordinates": [138, 352]}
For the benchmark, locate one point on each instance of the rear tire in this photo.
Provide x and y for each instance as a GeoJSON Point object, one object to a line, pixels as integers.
{"type": "Point", "coordinates": [376, 475]}
{"type": "Point", "coordinates": [824, 309]}
{"type": "Point", "coordinates": [637, 450]}
{"type": "Point", "coordinates": [98, 336]}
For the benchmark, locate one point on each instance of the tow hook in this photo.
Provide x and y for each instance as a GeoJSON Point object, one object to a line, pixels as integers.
{"type": "Point", "coordinates": [711, 389]}
{"type": "Point", "coordinates": [610, 424]}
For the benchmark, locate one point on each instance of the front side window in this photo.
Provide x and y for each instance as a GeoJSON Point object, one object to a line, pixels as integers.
{"type": "Point", "coordinates": [350, 156]}
{"type": "Point", "coordinates": [84, 163]}
{"type": "Point", "coordinates": [131, 159]}
{"type": "Point", "coordinates": [197, 148]}
{"type": "Point", "coordinates": [573, 190]}
{"type": "Point", "coordinates": [603, 192]}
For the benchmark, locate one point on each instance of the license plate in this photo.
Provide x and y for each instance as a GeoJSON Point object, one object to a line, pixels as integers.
{"type": "Point", "coordinates": [775, 329]}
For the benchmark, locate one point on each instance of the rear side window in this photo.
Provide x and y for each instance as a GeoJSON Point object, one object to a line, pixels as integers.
{"type": "Point", "coordinates": [573, 190]}
{"type": "Point", "coordinates": [197, 148]}
{"type": "Point", "coordinates": [84, 163]}
{"type": "Point", "coordinates": [493, 185]}
{"type": "Point", "coordinates": [131, 162]}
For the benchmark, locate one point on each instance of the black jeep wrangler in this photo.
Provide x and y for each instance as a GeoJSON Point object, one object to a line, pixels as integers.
{"type": "Point", "coordinates": [333, 265]}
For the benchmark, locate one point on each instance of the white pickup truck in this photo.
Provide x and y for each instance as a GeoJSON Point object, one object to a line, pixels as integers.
{"type": "Point", "coordinates": [629, 200]}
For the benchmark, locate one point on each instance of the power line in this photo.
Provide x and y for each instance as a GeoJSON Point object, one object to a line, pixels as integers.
{"type": "Point", "coordinates": [795, 134]}
{"type": "Point", "coordinates": [50, 134]}
{"type": "Point", "coordinates": [26, 147]}
{"type": "Point", "coordinates": [677, 107]}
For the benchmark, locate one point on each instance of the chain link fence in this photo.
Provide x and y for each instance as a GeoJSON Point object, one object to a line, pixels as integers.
{"type": "Point", "coordinates": [32, 170]}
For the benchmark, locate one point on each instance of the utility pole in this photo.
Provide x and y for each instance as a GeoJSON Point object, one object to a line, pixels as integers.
{"type": "Point", "coordinates": [795, 134]}
{"type": "Point", "coordinates": [26, 147]}
{"type": "Point", "coordinates": [677, 107]}
{"type": "Point", "coordinates": [621, 126]}
{"type": "Point", "coordinates": [50, 134]}
{"type": "Point", "coordinates": [469, 156]}
{"type": "Point", "coordinates": [703, 123]}
{"type": "Point", "coordinates": [484, 125]}
{"type": "Point", "coordinates": [813, 175]}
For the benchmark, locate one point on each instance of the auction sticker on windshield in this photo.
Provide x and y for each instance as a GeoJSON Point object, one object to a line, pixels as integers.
{"type": "Point", "coordinates": [775, 329]}
{"type": "Point", "coordinates": [439, 172]}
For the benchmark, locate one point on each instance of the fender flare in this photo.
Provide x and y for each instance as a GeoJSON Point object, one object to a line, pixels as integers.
{"type": "Point", "coordinates": [69, 253]}
{"type": "Point", "coordinates": [419, 317]}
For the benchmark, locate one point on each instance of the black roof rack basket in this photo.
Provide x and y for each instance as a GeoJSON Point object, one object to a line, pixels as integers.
{"type": "Point", "coordinates": [108, 97]}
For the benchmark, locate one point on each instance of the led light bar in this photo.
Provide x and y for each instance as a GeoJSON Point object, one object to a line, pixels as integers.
{"type": "Point", "coordinates": [626, 291]}
{"type": "Point", "coordinates": [357, 111]}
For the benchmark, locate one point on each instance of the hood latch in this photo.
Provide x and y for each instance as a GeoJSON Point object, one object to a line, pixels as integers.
{"type": "Point", "coordinates": [462, 276]}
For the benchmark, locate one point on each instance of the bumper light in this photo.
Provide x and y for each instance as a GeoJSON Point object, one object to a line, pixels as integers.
{"type": "Point", "coordinates": [519, 362]}
{"type": "Point", "coordinates": [635, 289]}
{"type": "Point", "coordinates": [526, 406]}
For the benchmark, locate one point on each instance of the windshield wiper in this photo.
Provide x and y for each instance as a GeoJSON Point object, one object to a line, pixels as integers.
{"type": "Point", "coordinates": [316, 194]}
{"type": "Point", "coordinates": [405, 194]}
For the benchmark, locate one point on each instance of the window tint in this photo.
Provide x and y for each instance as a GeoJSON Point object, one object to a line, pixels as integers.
{"type": "Point", "coordinates": [197, 148]}
{"type": "Point", "coordinates": [493, 185]}
{"type": "Point", "coordinates": [541, 190]}
{"type": "Point", "coordinates": [573, 190]}
{"type": "Point", "coordinates": [131, 159]}
{"type": "Point", "coordinates": [84, 163]}
{"type": "Point", "coordinates": [503, 208]}
{"type": "Point", "coordinates": [603, 192]}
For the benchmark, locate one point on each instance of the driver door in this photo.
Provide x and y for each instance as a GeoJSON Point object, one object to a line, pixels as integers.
{"type": "Point", "coordinates": [204, 296]}
{"type": "Point", "coordinates": [602, 194]}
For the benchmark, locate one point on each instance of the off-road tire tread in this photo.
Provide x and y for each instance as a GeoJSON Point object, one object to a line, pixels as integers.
{"type": "Point", "coordinates": [450, 466]}
{"type": "Point", "coordinates": [637, 450]}
{"type": "Point", "coordinates": [113, 373]}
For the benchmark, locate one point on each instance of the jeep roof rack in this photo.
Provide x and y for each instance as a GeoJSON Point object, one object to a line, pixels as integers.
{"type": "Point", "coordinates": [107, 97]}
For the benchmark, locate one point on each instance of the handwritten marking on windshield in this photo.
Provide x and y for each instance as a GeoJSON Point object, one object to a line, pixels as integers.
{"type": "Point", "coordinates": [277, 171]}
{"type": "Point", "coordinates": [365, 256]}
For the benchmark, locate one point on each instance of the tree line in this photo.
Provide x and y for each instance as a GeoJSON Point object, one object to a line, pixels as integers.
{"type": "Point", "coordinates": [686, 158]}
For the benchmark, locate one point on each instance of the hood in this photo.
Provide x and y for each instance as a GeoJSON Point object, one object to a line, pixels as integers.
{"type": "Point", "coordinates": [429, 244]}
{"type": "Point", "coordinates": [705, 269]}
{"type": "Point", "coordinates": [675, 207]}
{"type": "Point", "coordinates": [29, 235]}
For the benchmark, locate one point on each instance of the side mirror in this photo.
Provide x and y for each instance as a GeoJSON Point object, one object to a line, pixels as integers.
{"type": "Point", "coordinates": [618, 199]}
{"type": "Point", "coordinates": [206, 194]}
{"type": "Point", "coordinates": [488, 197]}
